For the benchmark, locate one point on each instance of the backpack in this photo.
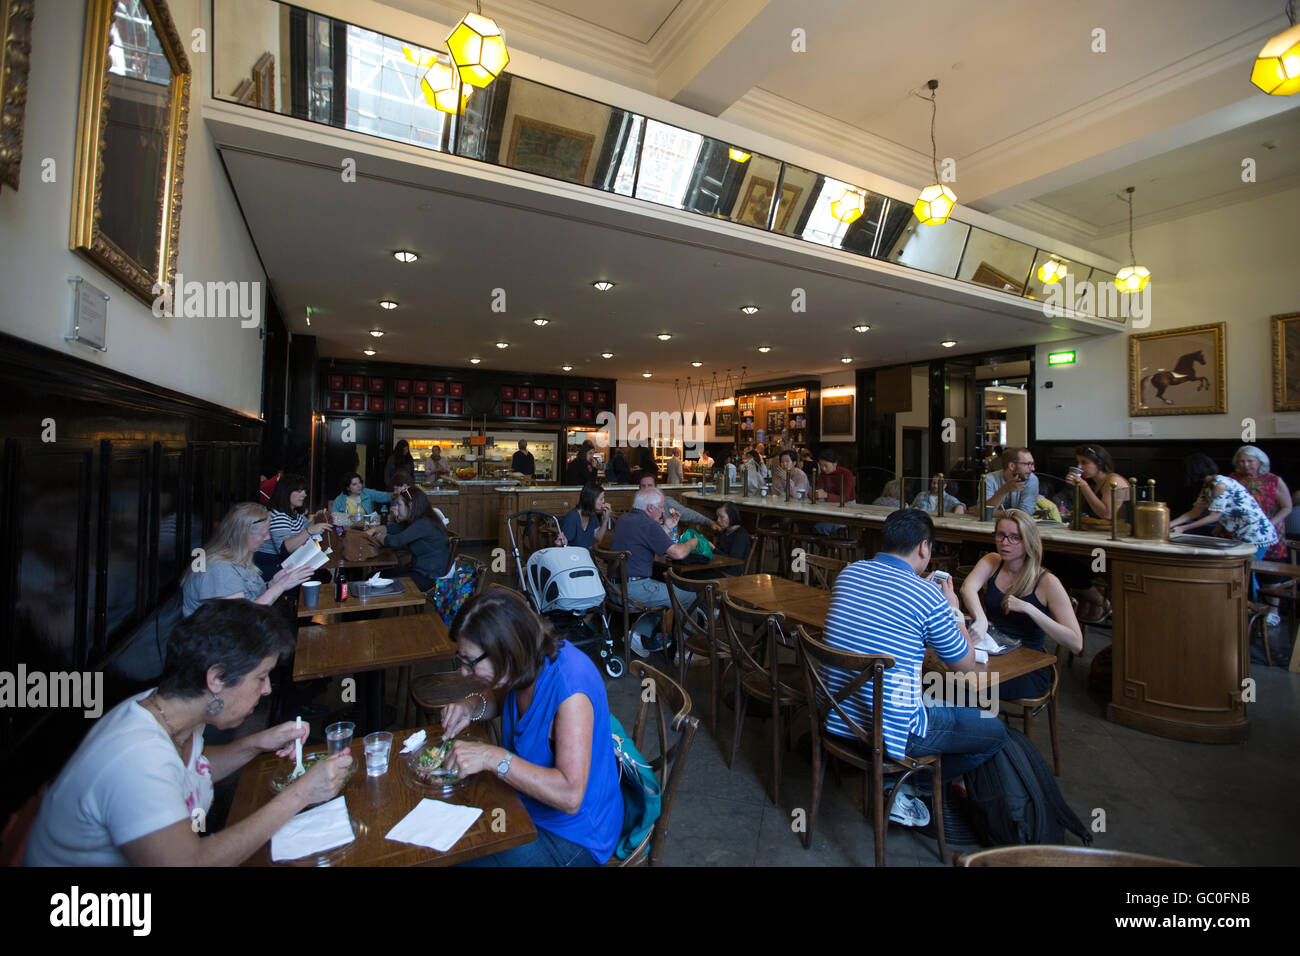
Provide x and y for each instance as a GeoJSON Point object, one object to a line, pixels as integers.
{"type": "Point", "coordinates": [640, 786]}
{"type": "Point", "coordinates": [1014, 799]}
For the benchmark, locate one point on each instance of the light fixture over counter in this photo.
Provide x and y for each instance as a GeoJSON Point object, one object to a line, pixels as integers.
{"type": "Point", "coordinates": [935, 203]}
{"type": "Point", "coordinates": [1277, 67]}
{"type": "Point", "coordinates": [1133, 277]}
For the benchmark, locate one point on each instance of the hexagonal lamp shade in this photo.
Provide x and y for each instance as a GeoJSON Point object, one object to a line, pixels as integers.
{"type": "Point", "coordinates": [738, 155]}
{"type": "Point", "coordinates": [441, 91]}
{"type": "Point", "coordinates": [478, 49]}
{"type": "Point", "coordinates": [1132, 278]}
{"type": "Point", "coordinates": [1277, 67]}
{"type": "Point", "coordinates": [934, 205]}
{"type": "Point", "coordinates": [1053, 270]}
{"type": "Point", "coordinates": [849, 206]}
{"type": "Point", "coordinates": [423, 58]}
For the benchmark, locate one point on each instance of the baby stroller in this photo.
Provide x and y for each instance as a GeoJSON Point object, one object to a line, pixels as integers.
{"type": "Point", "coordinates": [565, 589]}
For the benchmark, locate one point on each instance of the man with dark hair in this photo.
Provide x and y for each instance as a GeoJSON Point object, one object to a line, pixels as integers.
{"type": "Point", "coordinates": [1016, 485]}
{"type": "Point", "coordinates": [523, 461]}
{"type": "Point", "coordinates": [884, 606]}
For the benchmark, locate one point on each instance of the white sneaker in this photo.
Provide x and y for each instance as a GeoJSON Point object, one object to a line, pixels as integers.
{"type": "Point", "coordinates": [1274, 619]}
{"type": "Point", "coordinates": [909, 811]}
{"type": "Point", "coordinates": [639, 649]}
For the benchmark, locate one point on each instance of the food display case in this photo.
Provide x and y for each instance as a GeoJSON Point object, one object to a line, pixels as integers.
{"type": "Point", "coordinates": [573, 439]}
{"type": "Point", "coordinates": [474, 462]}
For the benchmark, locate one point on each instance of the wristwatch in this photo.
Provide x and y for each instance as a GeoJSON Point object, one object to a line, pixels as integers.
{"type": "Point", "coordinates": [503, 767]}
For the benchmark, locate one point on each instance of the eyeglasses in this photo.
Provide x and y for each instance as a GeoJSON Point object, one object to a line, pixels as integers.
{"type": "Point", "coordinates": [465, 664]}
{"type": "Point", "coordinates": [1009, 538]}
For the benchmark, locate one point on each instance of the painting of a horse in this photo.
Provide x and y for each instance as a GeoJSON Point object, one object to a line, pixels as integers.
{"type": "Point", "coordinates": [1183, 372]}
{"type": "Point", "coordinates": [1178, 371]}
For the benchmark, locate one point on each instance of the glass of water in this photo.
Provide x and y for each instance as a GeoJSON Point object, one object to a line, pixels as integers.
{"type": "Point", "coordinates": [338, 737]}
{"type": "Point", "coordinates": [378, 746]}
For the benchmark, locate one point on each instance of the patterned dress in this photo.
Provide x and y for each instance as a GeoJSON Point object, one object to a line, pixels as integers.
{"type": "Point", "coordinates": [1240, 515]}
{"type": "Point", "coordinates": [1264, 488]}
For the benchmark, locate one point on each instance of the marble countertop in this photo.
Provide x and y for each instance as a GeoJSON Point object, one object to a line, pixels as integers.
{"type": "Point", "coordinates": [575, 488]}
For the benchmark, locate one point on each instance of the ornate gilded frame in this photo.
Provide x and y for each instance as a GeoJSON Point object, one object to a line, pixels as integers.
{"type": "Point", "coordinates": [1281, 386]}
{"type": "Point", "coordinates": [15, 55]}
{"type": "Point", "coordinates": [141, 279]}
{"type": "Point", "coordinates": [1216, 403]}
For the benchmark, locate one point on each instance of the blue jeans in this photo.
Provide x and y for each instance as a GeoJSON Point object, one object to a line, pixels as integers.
{"type": "Point", "coordinates": [547, 850]}
{"type": "Point", "coordinates": [963, 735]}
{"type": "Point", "coordinates": [654, 593]}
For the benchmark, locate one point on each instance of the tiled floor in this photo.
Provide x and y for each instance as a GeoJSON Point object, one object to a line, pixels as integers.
{"type": "Point", "coordinates": [1216, 805]}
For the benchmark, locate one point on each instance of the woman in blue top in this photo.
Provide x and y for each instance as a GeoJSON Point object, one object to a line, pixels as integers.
{"type": "Point", "coordinates": [578, 529]}
{"type": "Point", "coordinates": [1022, 600]}
{"type": "Point", "coordinates": [356, 499]}
{"type": "Point", "coordinates": [554, 727]}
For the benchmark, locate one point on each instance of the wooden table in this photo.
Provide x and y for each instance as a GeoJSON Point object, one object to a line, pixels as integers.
{"type": "Point", "coordinates": [807, 605]}
{"type": "Point", "coordinates": [386, 558]}
{"type": "Point", "coordinates": [684, 568]}
{"type": "Point", "coordinates": [380, 802]}
{"type": "Point", "coordinates": [325, 605]}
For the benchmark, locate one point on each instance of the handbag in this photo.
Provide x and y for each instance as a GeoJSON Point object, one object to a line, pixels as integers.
{"type": "Point", "coordinates": [359, 546]}
{"type": "Point", "coordinates": [702, 546]}
{"type": "Point", "coordinates": [454, 588]}
{"type": "Point", "coordinates": [640, 786]}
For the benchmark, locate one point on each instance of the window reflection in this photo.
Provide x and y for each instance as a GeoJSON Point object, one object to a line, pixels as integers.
{"type": "Point", "coordinates": [667, 161]}
{"type": "Point", "coordinates": [383, 92]}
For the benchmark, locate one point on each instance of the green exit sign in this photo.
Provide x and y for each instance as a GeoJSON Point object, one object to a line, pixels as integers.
{"type": "Point", "coordinates": [1061, 358]}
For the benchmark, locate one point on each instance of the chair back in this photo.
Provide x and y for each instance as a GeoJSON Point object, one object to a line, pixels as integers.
{"type": "Point", "coordinates": [1059, 856]}
{"type": "Point", "coordinates": [749, 631]}
{"type": "Point", "coordinates": [697, 619]}
{"type": "Point", "coordinates": [816, 657]}
{"type": "Point", "coordinates": [821, 571]}
{"type": "Point", "coordinates": [533, 530]}
{"type": "Point", "coordinates": [675, 728]}
{"type": "Point", "coordinates": [752, 559]}
{"type": "Point", "coordinates": [453, 547]}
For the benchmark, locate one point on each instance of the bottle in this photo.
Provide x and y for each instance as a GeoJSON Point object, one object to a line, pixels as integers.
{"type": "Point", "coordinates": [343, 574]}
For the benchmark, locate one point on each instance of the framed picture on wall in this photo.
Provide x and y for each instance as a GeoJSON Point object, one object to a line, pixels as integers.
{"type": "Point", "coordinates": [775, 420]}
{"type": "Point", "coordinates": [1286, 362]}
{"type": "Point", "coordinates": [724, 422]}
{"type": "Point", "coordinates": [1178, 372]}
{"type": "Point", "coordinates": [837, 417]}
{"type": "Point", "coordinates": [550, 150]}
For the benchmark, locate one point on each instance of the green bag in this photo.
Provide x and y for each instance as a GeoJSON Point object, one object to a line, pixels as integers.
{"type": "Point", "coordinates": [702, 545]}
{"type": "Point", "coordinates": [640, 786]}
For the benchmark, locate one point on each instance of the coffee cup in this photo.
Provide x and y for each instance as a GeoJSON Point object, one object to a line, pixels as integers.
{"type": "Point", "coordinates": [310, 593]}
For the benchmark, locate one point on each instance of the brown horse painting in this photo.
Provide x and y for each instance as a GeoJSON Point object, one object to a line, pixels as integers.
{"type": "Point", "coordinates": [1183, 372]}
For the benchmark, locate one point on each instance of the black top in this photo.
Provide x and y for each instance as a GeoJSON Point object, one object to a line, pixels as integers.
{"type": "Point", "coordinates": [523, 463]}
{"type": "Point", "coordinates": [1017, 625]}
{"type": "Point", "coordinates": [427, 542]}
{"type": "Point", "coordinates": [734, 543]}
{"type": "Point", "coordinates": [579, 472]}
{"type": "Point", "coordinates": [618, 472]}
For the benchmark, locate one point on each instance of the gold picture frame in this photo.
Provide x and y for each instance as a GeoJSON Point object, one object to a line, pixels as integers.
{"type": "Point", "coordinates": [130, 160]}
{"type": "Point", "coordinates": [1286, 362]}
{"type": "Point", "coordinates": [550, 150]}
{"type": "Point", "coordinates": [15, 57]}
{"type": "Point", "coordinates": [1162, 364]}
{"type": "Point", "coordinates": [756, 205]}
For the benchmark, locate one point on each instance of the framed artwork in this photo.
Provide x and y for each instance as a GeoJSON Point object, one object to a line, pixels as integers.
{"type": "Point", "coordinates": [837, 417]}
{"type": "Point", "coordinates": [245, 93]}
{"type": "Point", "coordinates": [264, 81]}
{"type": "Point", "coordinates": [15, 53]}
{"type": "Point", "coordinates": [1178, 372]}
{"type": "Point", "coordinates": [724, 421]}
{"type": "Point", "coordinates": [775, 420]}
{"type": "Point", "coordinates": [758, 201]}
{"type": "Point", "coordinates": [1286, 362]}
{"type": "Point", "coordinates": [995, 279]}
{"type": "Point", "coordinates": [549, 150]}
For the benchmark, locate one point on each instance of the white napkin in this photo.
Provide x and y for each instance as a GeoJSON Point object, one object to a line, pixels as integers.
{"type": "Point", "coordinates": [987, 644]}
{"type": "Point", "coordinates": [378, 581]}
{"type": "Point", "coordinates": [313, 831]}
{"type": "Point", "coordinates": [434, 824]}
{"type": "Point", "coordinates": [981, 657]}
{"type": "Point", "coordinates": [413, 742]}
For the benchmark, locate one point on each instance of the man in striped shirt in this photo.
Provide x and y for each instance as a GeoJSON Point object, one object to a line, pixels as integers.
{"type": "Point", "coordinates": [884, 606]}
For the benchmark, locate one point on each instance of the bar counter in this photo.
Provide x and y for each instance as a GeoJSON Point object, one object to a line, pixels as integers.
{"type": "Point", "coordinates": [1179, 615]}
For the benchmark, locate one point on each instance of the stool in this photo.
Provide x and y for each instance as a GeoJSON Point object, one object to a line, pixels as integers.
{"type": "Point", "coordinates": [768, 540]}
{"type": "Point", "coordinates": [435, 691]}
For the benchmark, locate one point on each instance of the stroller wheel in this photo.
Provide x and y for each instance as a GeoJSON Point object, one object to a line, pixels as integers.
{"type": "Point", "coordinates": [614, 666]}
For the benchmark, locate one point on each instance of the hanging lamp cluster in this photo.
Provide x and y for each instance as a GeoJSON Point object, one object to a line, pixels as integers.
{"type": "Point", "coordinates": [1133, 277]}
{"type": "Point", "coordinates": [478, 55]}
{"type": "Point", "coordinates": [1277, 67]}
{"type": "Point", "coordinates": [936, 202]}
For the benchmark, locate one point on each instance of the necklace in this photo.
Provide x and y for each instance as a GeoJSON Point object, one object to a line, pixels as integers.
{"type": "Point", "coordinates": [171, 731]}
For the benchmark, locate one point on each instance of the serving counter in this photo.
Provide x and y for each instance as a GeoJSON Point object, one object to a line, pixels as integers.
{"type": "Point", "coordinates": [1179, 615]}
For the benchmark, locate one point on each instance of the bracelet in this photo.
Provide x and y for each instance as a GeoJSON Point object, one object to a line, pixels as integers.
{"type": "Point", "coordinates": [483, 710]}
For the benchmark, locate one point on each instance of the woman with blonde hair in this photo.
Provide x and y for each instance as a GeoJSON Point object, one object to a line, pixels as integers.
{"type": "Point", "coordinates": [1250, 469]}
{"type": "Point", "coordinates": [1022, 600]}
{"type": "Point", "coordinates": [227, 568]}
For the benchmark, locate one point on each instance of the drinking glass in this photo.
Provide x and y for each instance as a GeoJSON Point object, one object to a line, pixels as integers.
{"type": "Point", "coordinates": [378, 746]}
{"type": "Point", "coordinates": [338, 737]}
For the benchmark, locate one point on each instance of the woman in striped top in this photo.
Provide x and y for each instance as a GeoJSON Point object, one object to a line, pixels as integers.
{"type": "Point", "coordinates": [290, 525]}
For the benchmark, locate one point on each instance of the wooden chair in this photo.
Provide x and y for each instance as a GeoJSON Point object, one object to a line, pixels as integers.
{"type": "Point", "coordinates": [763, 678]}
{"type": "Point", "coordinates": [432, 691]}
{"type": "Point", "coordinates": [1058, 856]}
{"type": "Point", "coordinates": [1027, 709]}
{"type": "Point", "coordinates": [866, 748]}
{"type": "Point", "coordinates": [821, 572]}
{"type": "Point", "coordinates": [669, 762]}
{"type": "Point", "coordinates": [453, 547]}
{"type": "Point", "coordinates": [612, 566]}
{"type": "Point", "coordinates": [695, 631]}
{"type": "Point", "coordinates": [13, 839]}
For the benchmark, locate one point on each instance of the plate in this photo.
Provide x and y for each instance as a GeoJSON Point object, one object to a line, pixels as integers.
{"type": "Point", "coordinates": [328, 857]}
{"type": "Point", "coordinates": [285, 777]}
{"type": "Point", "coordinates": [379, 582]}
{"type": "Point", "coordinates": [437, 783]}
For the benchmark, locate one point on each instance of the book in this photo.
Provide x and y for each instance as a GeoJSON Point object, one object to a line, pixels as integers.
{"type": "Point", "coordinates": [310, 554]}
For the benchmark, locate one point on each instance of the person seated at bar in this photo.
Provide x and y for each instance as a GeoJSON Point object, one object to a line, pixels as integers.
{"type": "Point", "coordinates": [523, 461]}
{"type": "Point", "coordinates": [1224, 501]}
{"type": "Point", "coordinates": [732, 540]}
{"type": "Point", "coordinates": [929, 500]}
{"type": "Point", "coordinates": [640, 534]}
{"type": "Point", "coordinates": [228, 570]}
{"type": "Point", "coordinates": [829, 473]}
{"type": "Point", "coordinates": [556, 746]}
{"type": "Point", "coordinates": [578, 528]}
{"type": "Point", "coordinates": [356, 500]}
{"type": "Point", "coordinates": [1250, 469]}
{"type": "Point", "coordinates": [1093, 473]}
{"type": "Point", "coordinates": [754, 472]}
{"type": "Point", "coordinates": [891, 494]}
{"type": "Point", "coordinates": [618, 472]}
{"type": "Point", "coordinates": [141, 778]}
{"type": "Point", "coordinates": [581, 471]}
{"type": "Point", "coordinates": [290, 526]}
{"type": "Point", "coordinates": [1022, 600]}
{"type": "Point", "coordinates": [1016, 485]}
{"type": "Point", "coordinates": [673, 469]}
{"type": "Point", "coordinates": [790, 479]}
{"type": "Point", "coordinates": [415, 526]}
{"type": "Point", "coordinates": [400, 460]}
{"type": "Point", "coordinates": [884, 606]}
{"type": "Point", "coordinates": [434, 466]}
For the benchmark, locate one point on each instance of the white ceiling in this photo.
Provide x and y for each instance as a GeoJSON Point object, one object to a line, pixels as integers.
{"type": "Point", "coordinates": [637, 21]}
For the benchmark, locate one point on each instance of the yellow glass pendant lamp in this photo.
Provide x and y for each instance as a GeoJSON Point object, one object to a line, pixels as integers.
{"type": "Point", "coordinates": [478, 48]}
{"type": "Point", "coordinates": [849, 206]}
{"type": "Point", "coordinates": [1051, 271]}
{"type": "Point", "coordinates": [935, 203]}
{"type": "Point", "coordinates": [1133, 277]}
{"type": "Point", "coordinates": [441, 90]}
{"type": "Point", "coordinates": [420, 57]}
{"type": "Point", "coordinates": [1277, 67]}
{"type": "Point", "coordinates": [738, 155]}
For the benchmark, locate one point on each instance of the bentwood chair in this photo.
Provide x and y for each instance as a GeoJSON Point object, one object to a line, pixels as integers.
{"type": "Point", "coordinates": [612, 566]}
{"type": "Point", "coordinates": [1058, 856]}
{"type": "Point", "coordinates": [1027, 709]}
{"type": "Point", "coordinates": [695, 627]}
{"type": "Point", "coordinates": [865, 749]}
{"type": "Point", "coordinates": [754, 639]}
{"type": "Point", "coordinates": [430, 692]}
{"type": "Point", "coordinates": [821, 572]}
{"type": "Point", "coordinates": [672, 713]}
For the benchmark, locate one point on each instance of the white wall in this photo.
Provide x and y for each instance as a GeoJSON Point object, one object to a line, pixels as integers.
{"type": "Point", "coordinates": [212, 359]}
{"type": "Point", "coordinates": [1235, 265]}
{"type": "Point", "coordinates": [248, 28]}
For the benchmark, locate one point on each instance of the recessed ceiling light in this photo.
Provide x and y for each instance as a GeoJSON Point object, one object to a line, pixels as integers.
{"type": "Point", "coordinates": [861, 327]}
{"type": "Point", "coordinates": [765, 348]}
{"type": "Point", "coordinates": [696, 364]}
{"type": "Point", "coordinates": [503, 345]}
{"type": "Point", "coordinates": [602, 286]}
{"type": "Point", "coordinates": [539, 321]}
{"type": "Point", "coordinates": [607, 355]}
{"type": "Point", "coordinates": [948, 343]}
{"type": "Point", "coordinates": [847, 360]}
{"type": "Point", "coordinates": [405, 255]}
{"type": "Point", "coordinates": [665, 336]}
{"type": "Point", "coordinates": [567, 368]}
{"type": "Point", "coordinates": [387, 304]}
{"type": "Point", "coordinates": [377, 333]}
{"type": "Point", "coordinates": [645, 374]}
{"type": "Point", "coordinates": [369, 351]}
{"type": "Point", "coordinates": [475, 361]}
{"type": "Point", "coordinates": [749, 309]}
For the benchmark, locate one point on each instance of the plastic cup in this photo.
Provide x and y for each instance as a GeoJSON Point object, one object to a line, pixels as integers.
{"type": "Point", "coordinates": [378, 746]}
{"type": "Point", "coordinates": [310, 593]}
{"type": "Point", "coordinates": [338, 737]}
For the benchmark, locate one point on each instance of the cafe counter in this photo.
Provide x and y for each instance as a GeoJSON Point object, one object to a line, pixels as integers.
{"type": "Point", "coordinates": [1179, 614]}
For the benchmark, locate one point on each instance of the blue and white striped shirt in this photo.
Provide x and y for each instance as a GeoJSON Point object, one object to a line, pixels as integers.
{"type": "Point", "coordinates": [882, 606]}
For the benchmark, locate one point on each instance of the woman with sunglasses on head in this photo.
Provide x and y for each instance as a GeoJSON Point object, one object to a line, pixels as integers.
{"type": "Point", "coordinates": [415, 526]}
{"type": "Point", "coordinates": [1021, 599]}
{"type": "Point", "coordinates": [228, 570]}
{"type": "Point", "coordinates": [555, 731]}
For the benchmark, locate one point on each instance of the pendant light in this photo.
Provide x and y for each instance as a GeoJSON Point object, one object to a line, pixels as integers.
{"type": "Point", "coordinates": [849, 206]}
{"type": "Point", "coordinates": [935, 203]}
{"type": "Point", "coordinates": [420, 56]}
{"type": "Point", "coordinates": [443, 90]}
{"type": "Point", "coordinates": [1051, 271]}
{"type": "Point", "coordinates": [737, 155]}
{"type": "Point", "coordinates": [478, 48]}
{"type": "Point", "coordinates": [709, 407]}
{"type": "Point", "coordinates": [1133, 277]}
{"type": "Point", "coordinates": [1277, 67]}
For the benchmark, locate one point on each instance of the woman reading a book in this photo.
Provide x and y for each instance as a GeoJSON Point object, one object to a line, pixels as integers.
{"type": "Point", "coordinates": [290, 526]}
{"type": "Point", "coordinates": [225, 569]}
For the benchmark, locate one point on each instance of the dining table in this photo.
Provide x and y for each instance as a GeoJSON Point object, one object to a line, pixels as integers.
{"type": "Point", "coordinates": [717, 562]}
{"type": "Point", "coordinates": [376, 804]}
{"type": "Point", "coordinates": [409, 596]}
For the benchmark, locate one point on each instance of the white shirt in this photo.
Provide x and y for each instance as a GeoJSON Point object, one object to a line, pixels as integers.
{"type": "Point", "coordinates": [126, 780]}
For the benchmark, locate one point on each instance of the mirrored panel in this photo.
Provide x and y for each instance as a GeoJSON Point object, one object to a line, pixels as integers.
{"type": "Point", "coordinates": [1052, 276]}
{"type": "Point", "coordinates": [934, 249]}
{"type": "Point", "coordinates": [794, 204]}
{"type": "Point", "coordinates": [996, 261]}
{"type": "Point", "coordinates": [1100, 298]}
{"type": "Point", "coordinates": [668, 159]}
{"type": "Point", "coordinates": [550, 132]}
